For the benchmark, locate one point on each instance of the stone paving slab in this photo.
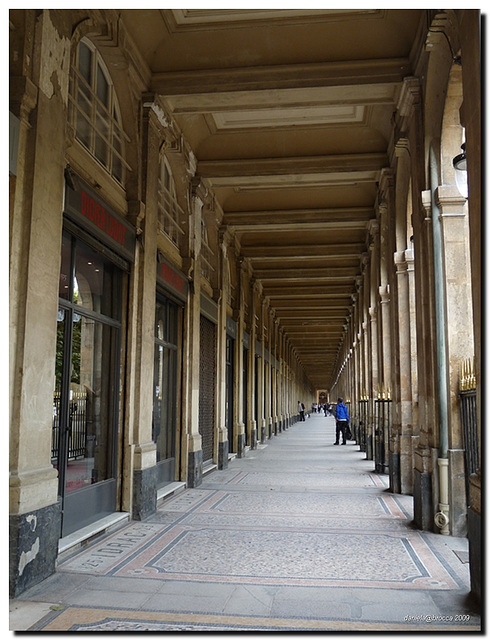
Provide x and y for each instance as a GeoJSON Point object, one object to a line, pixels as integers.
{"type": "Point", "coordinates": [297, 535]}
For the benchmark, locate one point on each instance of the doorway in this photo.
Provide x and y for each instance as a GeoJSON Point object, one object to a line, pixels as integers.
{"type": "Point", "coordinates": [230, 365]}
{"type": "Point", "coordinates": [166, 386]}
{"type": "Point", "coordinates": [86, 396]}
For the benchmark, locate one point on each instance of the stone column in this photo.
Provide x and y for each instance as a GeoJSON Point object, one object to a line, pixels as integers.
{"type": "Point", "coordinates": [224, 296]}
{"type": "Point", "coordinates": [141, 329]}
{"type": "Point", "coordinates": [470, 32]}
{"type": "Point", "coordinates": [40, 104]}
{"type": "Point", "coordinates": [261, 415]}
{"type": "Point", "coordinates": [252, 364]}
{"type": "Point", "coordinates": [460, 343]}
{"type": "Point", "coordinates": [192, 331]}
{"type": "Point", "coordinates": [275, 380]}
{"type": "Point", "coordinates": [238, 373]}
{"type": "Point", "coordinates": [405, 377]}
{"type": "Point", "coordinates": [423, 486]}
{"type": "Point", "coordinates": [401, 456]}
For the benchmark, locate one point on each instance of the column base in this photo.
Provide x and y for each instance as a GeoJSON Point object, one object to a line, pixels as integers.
{"type": "Point", "coordinates": [223, 450]}
{"type": "Point", "coordinates": [422, 501]}
{"type": "Point", "coordinates": [144, 493]}
{"type": "Point", "coordinates": [241, 445]}
{"type": "Point", "coordinates": [394, 471]}
{"type": "Point", "coordinates": [194, 469]}
{"type": "Point", "coordinates": [33, 539]}
{"type": "Point", "coordinates": [474, 538]}
{"type": "Point", "coordinates": [262, 435]}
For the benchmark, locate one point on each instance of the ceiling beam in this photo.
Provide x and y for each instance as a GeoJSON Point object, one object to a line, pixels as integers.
{"type": "Point", "coordinates": [241, 220]}
{"type": "Point", "coordinates": [303, 252]}
{"type": "Point", "coordinates": [234, 168]}
{"type": "Point", "coordinates": [292, 76]}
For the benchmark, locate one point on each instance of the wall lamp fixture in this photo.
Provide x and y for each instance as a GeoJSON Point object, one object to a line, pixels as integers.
{"type": "Point", "coordinates": [459, 164]}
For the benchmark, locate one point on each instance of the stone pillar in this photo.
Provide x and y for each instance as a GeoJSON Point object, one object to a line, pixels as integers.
{"type": "Point", "coordinates": [192, 330]}
{"type": "Point", "coordinates": [252, 364]}
{"type": "Point", "coordinates": [405, 375]}
{"type": "Point", "coordinates": [224, 295]}
{"type": "Point", "coordinates": [40, 104]}
{"type": "Point", "coordinates": [238, 373]}
{"type": "Point", "coordinates": [423, 485]}
{"type": "Point", "coordinates": [459, 338]}
{"type": "Point", "coordinates": [402, 460]}
{"type": "Point", "coordinates": [470, 32]}
{"type": "Point", "coordinates": [280, 379]}
{"type": "Point", "coordinates": [141, 330]}
{"type": "Point", "coordinates": [261, 414]}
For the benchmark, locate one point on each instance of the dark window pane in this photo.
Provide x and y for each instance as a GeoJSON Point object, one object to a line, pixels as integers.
{"type": "Point", "coordinates": [102, 87]}
{"type": "Point", "coordinates": [96, 283]}
{"type": "Point", "coordinates": [85, 62]}
{"type": "Point", "coordinates": [65, 275]}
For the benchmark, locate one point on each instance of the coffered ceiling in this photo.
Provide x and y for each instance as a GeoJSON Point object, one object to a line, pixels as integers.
{"type": "Point", "coordinates": [288, 112]}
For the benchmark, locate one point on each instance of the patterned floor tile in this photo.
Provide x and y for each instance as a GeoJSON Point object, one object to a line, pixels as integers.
{"type": "Point", "coordinates": [100, 620]}
{"type": "Point", "coordinates": [313, 558]}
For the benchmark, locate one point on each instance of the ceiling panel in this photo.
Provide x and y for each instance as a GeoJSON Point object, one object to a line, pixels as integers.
{"type": "Point", "coordinates": [289, 113]}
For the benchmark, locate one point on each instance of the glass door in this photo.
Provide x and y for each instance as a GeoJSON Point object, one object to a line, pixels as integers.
{"type": "Point", "coordinates": [85, 407]}
{"type": "Point", "coordinates": [166, 387]}
{"type": "Point", "coordinates": [230, 346]}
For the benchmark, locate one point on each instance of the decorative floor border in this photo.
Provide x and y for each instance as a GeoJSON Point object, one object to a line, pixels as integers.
{"type": "Point", "coordinates": [91, 619]}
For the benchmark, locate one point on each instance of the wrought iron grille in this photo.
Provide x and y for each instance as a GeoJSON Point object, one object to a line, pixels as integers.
{"type": "Point", "coordinates": [470, 434]}
{"type": "Point", "coordinates": [77, 426]}
{"type": "Point", "coordinates": [363, 419]}
{"type": "Point", "coordinates": [382, 424]}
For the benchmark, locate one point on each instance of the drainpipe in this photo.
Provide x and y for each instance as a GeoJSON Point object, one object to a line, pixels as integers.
{"type": "Point", "coordinates": [441, 518]}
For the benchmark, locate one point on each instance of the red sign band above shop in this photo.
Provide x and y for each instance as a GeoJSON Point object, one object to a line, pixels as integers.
{"type": "Point", "coordinates": [171, 279]}
{"type": "Point", "coordinates": [87, 209]}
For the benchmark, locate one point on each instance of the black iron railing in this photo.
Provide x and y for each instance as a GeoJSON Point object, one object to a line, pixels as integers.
{"type": "Point", "coordinates": [382, 424]}
{"type": "Point", "coordinates": [363, 420]}
{"type": "Point", "coordinates": [470, 434]}
{"type": "Point", "coordinates": [77, 426]}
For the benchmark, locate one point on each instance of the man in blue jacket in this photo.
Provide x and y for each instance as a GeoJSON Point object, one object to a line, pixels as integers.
{"type": "Point", "coordinates": [342, 421]}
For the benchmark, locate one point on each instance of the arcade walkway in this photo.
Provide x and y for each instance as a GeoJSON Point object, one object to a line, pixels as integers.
{"type": "Point", "coordinates": [298, 535]}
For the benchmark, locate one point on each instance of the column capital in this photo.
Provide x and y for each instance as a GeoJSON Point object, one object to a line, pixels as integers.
{"type": "Point", "coordinates": [199, 189]}
{"type": "Point", "coordinates": [373, 313]}
{"type": "Point", "coordinates": [402, 147]}
{"type": "Point", "coordinates": [384, 293]}
{"type": "Point", "coordinates": [22, 97]}
{"type": "Point", "coordinates": [400, 259]}
{"type": "Point", "coordinates": [410, 95]}
{"type": "Point", "coordinates": [450, 200]}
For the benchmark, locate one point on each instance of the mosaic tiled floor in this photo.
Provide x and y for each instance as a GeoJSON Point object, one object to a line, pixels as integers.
{"type": "Point", "coordinates": [99, 620]}
{"type": "Point", "coordinates": [297, 536]}
{"type": "Point", "coordinates": [321, 549]}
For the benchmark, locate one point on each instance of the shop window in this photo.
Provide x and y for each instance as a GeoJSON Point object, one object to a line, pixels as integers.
{"type": "Point", "coordinates": [94, 111]}
{"type": "Point", "coordinates": [165, 387]}
{"type": "Point", "coordinates": [86, 385]}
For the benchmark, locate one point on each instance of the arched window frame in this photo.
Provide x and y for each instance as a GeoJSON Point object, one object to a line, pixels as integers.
{"type": "Point", "coordinates": [94, 111]}
{"type": "Point", "coordinates": [170, 214]}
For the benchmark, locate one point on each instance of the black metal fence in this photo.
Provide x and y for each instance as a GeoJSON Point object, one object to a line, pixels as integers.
{"type": "Point", "coordinates": [77, 427]}
{"type": "Point", "coordinates": [363, 420]}
{"type": "Point", "coordinates": [382, 424]}
{"type": "Point", "coordinates": [470, 434]}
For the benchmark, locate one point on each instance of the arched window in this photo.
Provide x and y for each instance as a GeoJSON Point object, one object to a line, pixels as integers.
{"type": "Point", "coordinates": [170, 215]}
{"type": "Point", "coordinates": [94, 110]}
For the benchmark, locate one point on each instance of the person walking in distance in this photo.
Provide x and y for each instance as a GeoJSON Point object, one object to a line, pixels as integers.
{"type": "Point", "coordinates": [342, 422]}
{"type": "Point", "coordinates": [301, 411]}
